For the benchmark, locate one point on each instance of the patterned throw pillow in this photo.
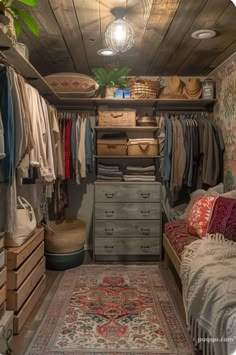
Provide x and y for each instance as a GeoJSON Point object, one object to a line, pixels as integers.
{"type": "Point", "coordinates": [223, 219]}
{"type": "Point", "coordinates": [200, 215]}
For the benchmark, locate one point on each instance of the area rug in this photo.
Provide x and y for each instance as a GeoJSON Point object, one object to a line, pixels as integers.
{"type": "Point", "coordinates": [100, 309]}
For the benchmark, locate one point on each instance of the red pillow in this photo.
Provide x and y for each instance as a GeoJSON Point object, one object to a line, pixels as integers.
{"type": "Point", "coordinates": [200, 215]}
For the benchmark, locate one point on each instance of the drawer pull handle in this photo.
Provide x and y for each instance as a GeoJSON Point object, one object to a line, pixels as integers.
{"type": "Point", "coordinates": [109, 213]}
{"type": "Point", "coordinates": [145, 213]}
{"type": "Point", "coordinates": [145, 231]}
{"type": "Point", "coordinates": [109, 231]}
{"type": "Point", "coordinates": [144, 247]}
{"type": "Point", "coordinates": [108, 247]}
{"type": "Point", "coordinates": [109, 195]}
{"type": "Point", "coordinates": [143, 195]}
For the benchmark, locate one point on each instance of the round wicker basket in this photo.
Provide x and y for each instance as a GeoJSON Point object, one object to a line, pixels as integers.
{"type": "Point", "coordinates": [144, 88]}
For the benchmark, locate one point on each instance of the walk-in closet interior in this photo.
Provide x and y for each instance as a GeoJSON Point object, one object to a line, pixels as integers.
{"type": "Point", "coordinates": [117, 177]}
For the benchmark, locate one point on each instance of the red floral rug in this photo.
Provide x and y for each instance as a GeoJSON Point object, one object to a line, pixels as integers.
{"type": "Point", "coordinates": [111, 310]}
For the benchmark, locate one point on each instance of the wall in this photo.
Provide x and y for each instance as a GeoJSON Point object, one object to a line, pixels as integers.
{"type": "Point", "coordinates": [225, 115]}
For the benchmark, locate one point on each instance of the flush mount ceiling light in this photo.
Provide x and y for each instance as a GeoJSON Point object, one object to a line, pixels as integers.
{"type": "Point", "coordinates": [203, 34]}
{"type": "Point", "coordinates": [106, 52]}
{"type": "Point", "coordinates": [119, 34]}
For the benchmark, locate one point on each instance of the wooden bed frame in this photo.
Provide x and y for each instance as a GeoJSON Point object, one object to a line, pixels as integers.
{"type": "Point", "coordinates": [170, 255]}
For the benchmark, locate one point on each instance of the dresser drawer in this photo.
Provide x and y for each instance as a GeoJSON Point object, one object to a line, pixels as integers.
{"type": "Point", "coordinates": [127, 246]}
{"type": "Point", "coordinates": [132, 228]}
{"type": "Point", "coordinates": [127, 210]}
{"type": "Point", "coordinates": [127, 192]}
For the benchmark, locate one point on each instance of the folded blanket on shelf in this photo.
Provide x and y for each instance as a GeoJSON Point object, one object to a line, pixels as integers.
{"type": "Point", "coordinates": [109, 178]}
{"type": "Point", "coordinates": [109, 167]}
{"type": "Point", "coordinates": [139, 178]}
{"type": "Point", "coordinates": [136, 172]}
{"type": "Point", "coordinates": [141, 168]}
{"type": "Point", "coordinates": [209, 289]}
{"type": "Point", "coordinates": [109, 173]}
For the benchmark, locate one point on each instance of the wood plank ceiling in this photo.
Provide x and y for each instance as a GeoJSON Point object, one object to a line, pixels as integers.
{"type": "Point", "coordinates": [71, 32]}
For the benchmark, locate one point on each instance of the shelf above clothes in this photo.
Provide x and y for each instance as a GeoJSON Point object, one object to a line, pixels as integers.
{"type": "Point", "coordinates": [158, 104]}
{"type": "Point", "coordinates": [127, 156]}
{"type": "Point", "coordinates": [27, 70]}
{"type": "Point", "coordinates": [126, 129]}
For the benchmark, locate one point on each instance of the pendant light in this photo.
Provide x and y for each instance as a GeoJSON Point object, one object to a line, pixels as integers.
{"type": "Point", "coordinates": [119, 34]}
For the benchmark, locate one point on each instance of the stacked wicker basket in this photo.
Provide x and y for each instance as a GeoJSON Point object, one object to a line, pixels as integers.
{"type": "Point", "coordinates": [144, 88]}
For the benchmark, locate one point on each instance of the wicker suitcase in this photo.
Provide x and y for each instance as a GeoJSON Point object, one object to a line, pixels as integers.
{"type": "Point", "coordinates": [111, 118]}
{"type": "Point", "coordinates": [111, 147]}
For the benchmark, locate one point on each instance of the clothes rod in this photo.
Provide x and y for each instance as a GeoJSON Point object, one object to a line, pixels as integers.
{"type": "Point", "coordinates": [74, 109]}
{"type": "Point", "coordinates": [182, 111]}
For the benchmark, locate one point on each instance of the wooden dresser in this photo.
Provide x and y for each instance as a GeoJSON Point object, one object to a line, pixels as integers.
{"type": "Point", "coordinates": [127, 221]}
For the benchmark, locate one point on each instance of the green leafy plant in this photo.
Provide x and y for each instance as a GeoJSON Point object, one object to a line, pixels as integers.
{"type": "Point", "coordinates": [112, 77]}
{"type": "Point", "coordinates": [21, 16]}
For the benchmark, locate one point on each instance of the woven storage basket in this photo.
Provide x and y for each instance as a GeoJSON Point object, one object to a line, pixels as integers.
{"type": "Point", "coordinates": [126, 118]}
{"type": "Point", "coordinates": [65, 237]}
{"type": "Point", "coordinates": [111, 146]}
{"type": "Point", "coordinates": [143, 148]}
{"type": "Point", "coordinates": [144, 88]}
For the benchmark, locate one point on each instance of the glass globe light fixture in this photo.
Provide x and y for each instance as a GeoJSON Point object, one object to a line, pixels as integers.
{"type": "Point", "coordinates": [119, 36]}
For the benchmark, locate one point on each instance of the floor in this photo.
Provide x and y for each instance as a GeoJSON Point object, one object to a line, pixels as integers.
{"type": "Point", "coordinates": [21, 341]}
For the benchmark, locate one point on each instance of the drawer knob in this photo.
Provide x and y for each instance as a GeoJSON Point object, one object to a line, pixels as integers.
{"type": "Point", "coordinates": [145, 231]}
{"type": "Point", "coordinates": [109, 195]}
{"type": "Point", "coordinates": [109, 231]}
{"type": "Point", "coordinates": [108, 246]}
{"type": "Point", "coordinates": [145, 213]}
{"type": "Point", "coordinates": [144, 247]}
{"type": "Point", "coordinates": [145, 195]}
{"type": "Point", "coordinates": [109, 213]}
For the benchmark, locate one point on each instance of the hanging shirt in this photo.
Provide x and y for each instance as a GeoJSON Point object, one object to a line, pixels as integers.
{"type": "Point", "coordinates": [67, 149]}
{"type": "Point", "coordinates": [89, 147]}
{"type": "Point", "coordinates": [81, 151]}
{"type": "Point", "coordinates": [7, 165]}
{"type": "Point", "coordinates": [2, 144]}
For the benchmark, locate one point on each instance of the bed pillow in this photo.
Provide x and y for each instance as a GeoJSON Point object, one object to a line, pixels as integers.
{"type": "Point", "coordinates": [230, 194]}
{"type": "Point", "coordinates": [200, 215]}
{"type": "Point", "coordinates": [212, 192]}
{"type": "Point", "coordinates": [223, 218]}
{"type": "Point", "coordinates": [193, 196]}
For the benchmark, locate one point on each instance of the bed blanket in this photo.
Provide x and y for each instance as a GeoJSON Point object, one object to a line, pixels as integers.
{"type": "Point", "coordinates": [208, 274]}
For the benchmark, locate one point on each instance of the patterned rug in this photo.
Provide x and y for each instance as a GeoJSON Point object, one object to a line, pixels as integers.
{"type": "Point", "coordinates": [100, 310]}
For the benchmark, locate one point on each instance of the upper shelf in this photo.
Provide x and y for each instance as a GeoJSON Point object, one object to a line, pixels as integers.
{"type": "Point", "coordinates": [26, 69]}
{"type": "Point", "coordinates": [159, 104]}
{"type": "Point", "coordinates": [135, 128]}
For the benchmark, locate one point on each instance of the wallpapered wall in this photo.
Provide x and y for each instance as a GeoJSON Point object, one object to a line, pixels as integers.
{"type": "Point", "coordinates": [225, 116]}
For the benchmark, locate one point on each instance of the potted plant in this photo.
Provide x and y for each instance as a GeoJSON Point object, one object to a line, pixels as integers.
{"type": "Point", "coordinates": [110, 80]}
{"type": "Point", "coordinates": [13, 17]}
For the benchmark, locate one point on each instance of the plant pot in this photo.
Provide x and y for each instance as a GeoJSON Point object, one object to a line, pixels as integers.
{"type": "Point", "coordinates": [7, 24]}
{"type": "Point", "coordinates": [110, 92]}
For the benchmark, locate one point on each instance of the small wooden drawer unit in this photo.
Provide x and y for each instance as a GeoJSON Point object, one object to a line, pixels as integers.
{"type": "Point", "coordinates": [25, 277]}
{"type": "Point", "coordinates": [127, 221]}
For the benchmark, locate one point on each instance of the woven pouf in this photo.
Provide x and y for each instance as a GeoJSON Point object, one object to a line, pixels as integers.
{"type": "Point", "coordinates": [64, 244]}
{"type": "Point", "coordinates": [64, 261]}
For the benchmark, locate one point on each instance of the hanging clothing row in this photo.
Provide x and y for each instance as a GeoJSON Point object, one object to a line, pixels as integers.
{"type": "Point", "coordinates": [30, 146]}
{"type": "Point", "coordinates": [76, 137]}
{"type": "Point", "coordinates": [77, 145]}
{"type": "Point", "coordinates": [191, 151]}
